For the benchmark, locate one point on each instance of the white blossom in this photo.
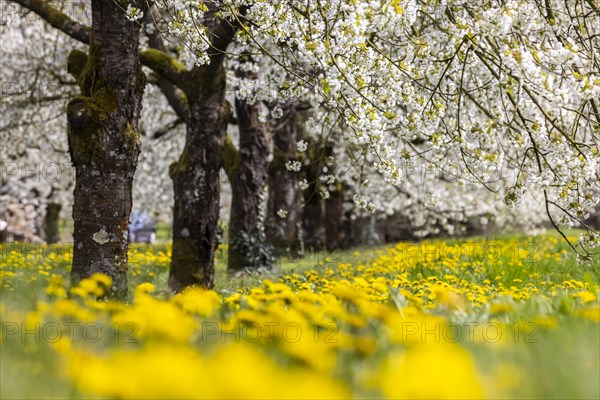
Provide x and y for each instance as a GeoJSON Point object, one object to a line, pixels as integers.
{"type": "Point", "coordinates": [301, 146]}
{"type": "Point", "coordinates": [277, 113]}
{"type": "Point", "coordinates": [303, 184]}
{"type": "Point", "coordinates": [282, 213]}
{"type": "Point", "coordinates": [133, 13]}
{"type": "Point", "coordinates": [293, 165]}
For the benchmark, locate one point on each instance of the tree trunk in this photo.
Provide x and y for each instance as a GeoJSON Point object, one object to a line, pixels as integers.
{"type": "Point", "coordinates": [334, 210]}
{"type": "Point", "coordinates": [367, 231]}
{"type": "Point", "coordinates": [196, 178]}
{"type": "Point", "coordinates": [247, 243]}
{"type": "Point", "coordinates": [313, 217]}
{"type": "Point", "coordinates": [348, 225]}
{"type": "Point", "coordinates": [196, 183]}
{"type": "Point", "coordinates": [51, 222]}
{"type": "Point", "coordinates": [284, 192]}
{"type": "Point", "coordinates": [334, 213]}
{"type": "Point", "coordinates": [104, 144]}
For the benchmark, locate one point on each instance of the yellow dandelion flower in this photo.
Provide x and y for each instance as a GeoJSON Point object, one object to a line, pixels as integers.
{"type": "Point", "coordinates": [451, 373]}
{"type": "Point", "coordinates": [586, 296]}
{"type": "Point", "coordinates": [198, 301]}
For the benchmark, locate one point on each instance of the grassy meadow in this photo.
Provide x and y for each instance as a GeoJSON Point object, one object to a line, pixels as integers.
{"type": "Point", "coordinates": [511, 316]}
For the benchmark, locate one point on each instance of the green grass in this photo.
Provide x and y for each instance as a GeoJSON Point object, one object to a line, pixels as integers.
{"type": "Point", "coordinates": [561, 362]}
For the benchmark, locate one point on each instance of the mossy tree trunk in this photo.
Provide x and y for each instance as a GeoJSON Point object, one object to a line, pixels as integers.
{"type": "Point", "coordinates": [104, 143]}
{"type": "Point", "coordinates": [248, 248]}
{"type": "Point", "coordinates": [196, 182]}
{"type": "Point", "coordinates": [284, 192]}
{"type": "Point", "coordinates": [196, 175]}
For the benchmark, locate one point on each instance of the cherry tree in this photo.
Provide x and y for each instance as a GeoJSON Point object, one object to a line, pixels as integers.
{"type": "Point", "coordinates": [496, 97]}
{"type": "Point", "coordinates": [103, 138]}
{"type": "Point", "coordinates": [196, 95]}
{"type": "Point", "coordinates": [36, 169]}
{"type": "Point", "coordinates": [484, 86]}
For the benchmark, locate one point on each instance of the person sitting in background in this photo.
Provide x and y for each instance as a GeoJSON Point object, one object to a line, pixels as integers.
{"type": "Point", "coordinates": [142, 228]}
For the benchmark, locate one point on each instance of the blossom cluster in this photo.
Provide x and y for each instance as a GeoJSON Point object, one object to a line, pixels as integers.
{"type": "Point", "coordinates": [505, 92]}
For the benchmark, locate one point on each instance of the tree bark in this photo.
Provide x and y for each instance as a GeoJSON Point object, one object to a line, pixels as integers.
{"type": "Point", "coordinates": [196, 183]}
{"type": "Point", "coordinates": [104, 144]}
{"type": "Point", "coordinates": [284, 192]}
{"type": "Point", "coordinates": [196, 179]}
{"type": "Point", "coordinates": [247, 242]}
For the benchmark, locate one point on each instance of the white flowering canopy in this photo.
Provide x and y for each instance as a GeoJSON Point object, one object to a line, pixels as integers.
{"type": "Point", "coordinates": [433, 105]}
{"type": "Point", "coordinates": [504, 91]}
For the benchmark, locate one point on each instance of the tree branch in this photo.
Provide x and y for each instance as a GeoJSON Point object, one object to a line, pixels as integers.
{"type": "Point", "coordinates": [167, 128]}
{"type": "Point", "coordinates": [57, 19]}
{"type": "Point", "coordinates": [176, 99]}
{"type": "Point", "coordinates": [163, 64]}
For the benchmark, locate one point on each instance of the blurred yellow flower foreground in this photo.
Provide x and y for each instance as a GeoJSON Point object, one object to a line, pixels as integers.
{"type": "Point", "coordinates": [434, 320]}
